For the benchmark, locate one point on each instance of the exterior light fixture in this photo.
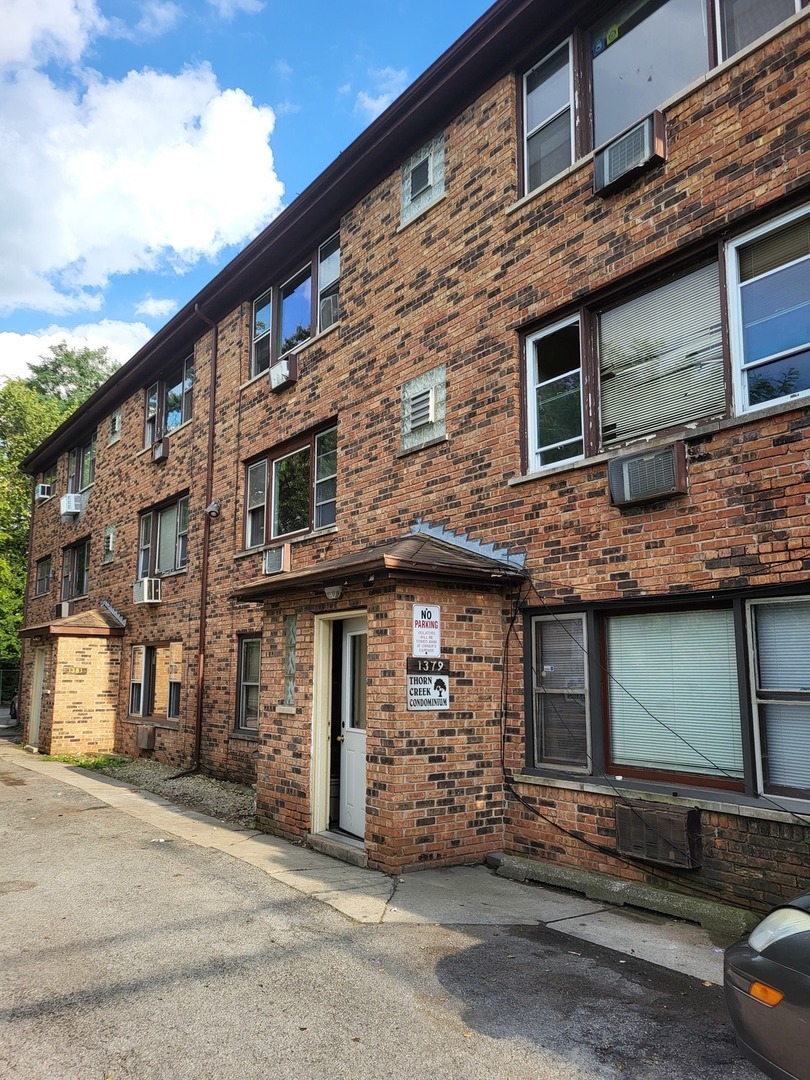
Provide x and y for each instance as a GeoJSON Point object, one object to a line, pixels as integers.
{"type": "Point", "coordinates": [333, 592]}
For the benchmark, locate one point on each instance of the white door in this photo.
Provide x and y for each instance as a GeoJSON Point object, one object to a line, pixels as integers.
{"type": "Point", "coordinates": [353, 728]}
{"type": "Point", "coordinates": [37, 687]}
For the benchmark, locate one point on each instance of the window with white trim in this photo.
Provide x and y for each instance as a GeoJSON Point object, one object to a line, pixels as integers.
{"type": "Point", "coordinates": [168, 401]}
{"type": "Point", "coordinates": [657, 365]}
{"type": "Point", "coordinates": [248, 681]}
{"type": "Point", "coordinates": [43, 578]}
{"type": "Point", "coordinates": [163, 539]}
{"type": "Point", "coordinates": [769, 304]}
{"type": "Point", "coordinates": [156, 681]}
{"type": "Point", "coordinates": [682, 692]}
{"type": "Point", "coordinates": [82, 465]}
{"type": "Point", "coordinates": [108, 547]}
{"type": "Point", "coordinates": [75, 570]}
{"type": "Point", "coordinates": [628, 64]}
{"type": "Point", "coordinates": [114, 430]}
{"type": "Point", "coordinates": [292, 491]}
{"type": "Point", "coordinates": [286, 315]}
{"type": "Point", "coordinates": [422, 179]}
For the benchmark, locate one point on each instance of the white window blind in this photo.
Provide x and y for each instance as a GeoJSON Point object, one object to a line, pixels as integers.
{"type": "Point", "coordinates": [661, 357]}
{"type": "Point", "coordinates": [674, 699]}
{"type": "Point", "coordinates": [782, 636]}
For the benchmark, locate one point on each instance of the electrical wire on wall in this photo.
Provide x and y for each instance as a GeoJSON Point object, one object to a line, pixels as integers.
{"type": "Point", "coordinates": [695, 888]}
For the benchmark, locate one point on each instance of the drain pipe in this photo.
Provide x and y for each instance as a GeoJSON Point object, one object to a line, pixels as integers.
{"type": "Point", "coordinates": [209, 466]}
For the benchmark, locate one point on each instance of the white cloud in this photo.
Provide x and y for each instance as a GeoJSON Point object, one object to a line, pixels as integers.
{"type": "Point", "coordinates": [149, 172]}
{"type": "Point", "coordinates": [287, 108]}
{"type": "Point", "coordinates": [122, 340]}
{"type": "Point", "coordinates": [47, 30]}
{"type": "Point", "coordinates": [227, 9]}
{"type": "Point", "coordinates": [158, 17]}
{"type": "Point", "coordinates": [153, 308]}
{"type": "Point", "coordinates": [283, 69]}
{"type": "Point", "coordinates": [387, 84]}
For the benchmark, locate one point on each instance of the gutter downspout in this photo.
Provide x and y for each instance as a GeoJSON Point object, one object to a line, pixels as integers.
{"type": "Point", "coordinates": [209, 465]}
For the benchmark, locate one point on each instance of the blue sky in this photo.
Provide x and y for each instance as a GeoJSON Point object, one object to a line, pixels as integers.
{"type": "Point", "coordinates": [143, 143]}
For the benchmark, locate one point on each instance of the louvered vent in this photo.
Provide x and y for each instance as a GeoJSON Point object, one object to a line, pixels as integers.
{"type": "Point", "coordinates": [422, 408]}
{"type": "Point", "coordinates": [637, 149]}
{"type": "Point", "coordinates": [667, 835]}
{"type": "Point", "coordinates": [637, 478]}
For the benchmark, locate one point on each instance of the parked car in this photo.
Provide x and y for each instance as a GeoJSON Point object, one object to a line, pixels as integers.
{"type": "Point", "coordinates": [767, 988]}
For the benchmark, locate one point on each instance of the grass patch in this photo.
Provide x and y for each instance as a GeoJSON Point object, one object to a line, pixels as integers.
{"type": "Point", "coordinates": [97, 762]}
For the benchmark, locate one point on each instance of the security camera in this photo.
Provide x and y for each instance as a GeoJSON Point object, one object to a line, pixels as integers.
{"type": "Point", "coordinates": [213, 508]}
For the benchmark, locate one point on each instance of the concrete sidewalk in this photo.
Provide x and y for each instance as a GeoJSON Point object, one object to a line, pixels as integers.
{"type": "Point", "coordinates": [455, 896]}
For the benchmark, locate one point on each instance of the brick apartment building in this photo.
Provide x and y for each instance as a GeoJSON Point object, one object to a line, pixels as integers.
{"type": "Point", "coordinates": [467, 509]}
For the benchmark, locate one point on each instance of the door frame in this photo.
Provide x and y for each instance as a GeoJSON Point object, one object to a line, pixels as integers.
{"type": "Point", "coordinates": [37, 692]}
{"type": "Point", "coordinates": [322, 712]}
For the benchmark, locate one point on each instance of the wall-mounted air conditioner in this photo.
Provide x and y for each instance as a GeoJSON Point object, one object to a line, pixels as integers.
{"type": "Point", "coordinates": [276, 560]}
{"type": "Point", "coordinates": [72, 503]}
{"type": "Point", "coordinates": [160, 450]}
{"type": "Point", "coordinates": [621, 161]}
{"type": "Point", "coordinates": [63, 609]}
{"type": "Point", "coordinates": [659, 834]}
{"type": "Point", "coordinates": [145, 737]}
{"type": "Point", "coordinates": [329, 311]}
{"type": "Point", "coordinates": [43, 491]}
{"type": "Point", "coordinates": [284, 373]}
{"type": "Point", "coordinates": [653, 474]}
{"type": "Point", "coordinates": [146, 591]}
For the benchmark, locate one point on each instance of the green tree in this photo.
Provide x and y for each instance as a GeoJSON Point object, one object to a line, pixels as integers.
{"type": "Point", "coordinates": [30, 409]}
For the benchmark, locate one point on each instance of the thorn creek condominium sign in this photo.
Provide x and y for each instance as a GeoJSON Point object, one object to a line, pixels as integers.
{"type": "Point", "coordinates": [428, 687]}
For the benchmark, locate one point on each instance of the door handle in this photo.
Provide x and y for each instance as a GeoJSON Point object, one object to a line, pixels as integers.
{"type": "Point", "coordinates": [340, 738]}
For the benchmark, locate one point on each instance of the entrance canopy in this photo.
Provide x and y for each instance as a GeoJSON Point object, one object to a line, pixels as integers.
{"type": "Point", "coordinates": [417, 556]}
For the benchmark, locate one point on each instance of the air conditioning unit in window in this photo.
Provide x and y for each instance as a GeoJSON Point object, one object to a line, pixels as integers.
{"type": "Point", "coordinates": [160, 450]}
{"type": "Point", "coordinates": [146, 591]}
{"type": "Point", "coordinates": [329, 311]}
{"type": "Point", "coordinates": [660, 834]}
{"type": "Point", "coordinates": [621, 161]}
{"type": "Point", "coordinates": [284, 373]}
{"type": "Point", "coordinates": [636, 478]}
{"type": "Point", "coordinates": [71, 504]}
{"type": "Point", "coordinates": [276, 560]}
{"type": "Point", "coordinates": [63, 609]}
{"type": "Point", "coordinates": [43, 491]}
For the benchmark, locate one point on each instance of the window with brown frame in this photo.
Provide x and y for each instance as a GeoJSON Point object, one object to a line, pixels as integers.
{"type": "Point", "coordinates": [304, 304]}
{"type": "Point", "coordinates": [638, 55]}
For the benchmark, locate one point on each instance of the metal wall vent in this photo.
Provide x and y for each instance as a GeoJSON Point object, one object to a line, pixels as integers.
{"type": "Point", "coordinates": [636, 478]}
{"type": "Point", "coordinates": [666, 835]}
{"type": "Point", "coordinates": [621, 161]}
{"type": "Point", "coordinates": [145, 737]}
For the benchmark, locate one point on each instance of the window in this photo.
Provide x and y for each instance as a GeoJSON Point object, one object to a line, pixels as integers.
{"type": "Point", "coordinates": [163, 539]}
{"type": "Point", "coordinates": [640, 54]}
{"type": "Point", "coordinates": [559, 679]}
{"type": "Point", "coordinates": [682, 691]}
{"type": "Point", "coordinates": [169, 402]}
{"type": "Point", "coordinates": [250, 662]}
{"type": "Point", "coordinates": [669, 673]}
{"type": "Point", "coordinates": [156, 680]}
{"type": "Point", "coordinates": [743, 21]}
{"type": "Point", "coordinates": [549, 118]}
{"type": "Point", "coordinates": [423, 409]}
{"type": "Point", "coordinates": [285, 316]}
{"type": "Point", "coordinates": [554, 388]}
{"type": "Point", "coordinates": [43, 579]}
{"type": "Point", "coordinates": [658, 363]}
{"type": "Point", "coordinates": [114, 432]}
{"type": "Point", "coordinates": [75, 566]}
{"type": "Point", "coordinates": [769, 300]}
{"type": "Point", "coordinates": [108, 549]}
{"type": "Point", "coordinates": [82, 465]}
{"type": "Point", "coordinates": [303, 490]}
{"type": "Point", "coordinates": [780, 634]}
{"type": "Point", "coordinates": [422, 180]}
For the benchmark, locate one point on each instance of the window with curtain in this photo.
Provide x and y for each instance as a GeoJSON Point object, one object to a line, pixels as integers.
{"type": "Point", "coordinates": [661, 357]}
{"type": "Point", "coordinates": [674, 698]}
{"type": "Point", "coordinates": [781, 647]}
{"type": "Point", "coordinates": [163, 539]}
